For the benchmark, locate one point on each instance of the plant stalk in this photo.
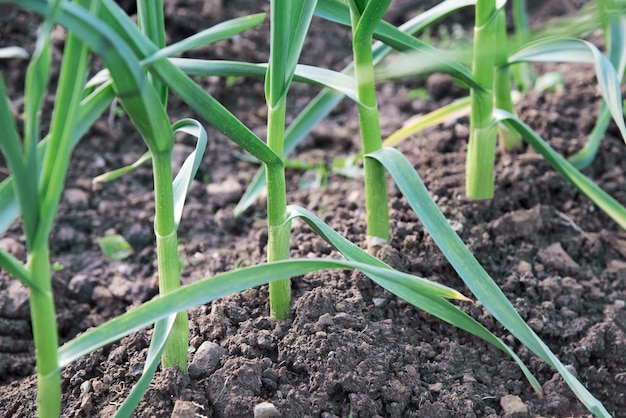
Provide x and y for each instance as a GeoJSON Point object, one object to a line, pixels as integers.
{"type": "Point", "coordinates": [43, 318]}
{"type": "Point", "coordinates": [376, 203]}
{"type": "Point", "coordinates": [481, 148]}
{"type": "Point", "coordinates": [175, 354]}
{"type": "Point", "coordinates": [278, 231]}
{"type": "Point", "coordinates": [509, 140]}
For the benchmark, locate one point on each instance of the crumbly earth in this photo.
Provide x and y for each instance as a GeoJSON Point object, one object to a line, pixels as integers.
{"type": "Point", "coordinates": [350, 348]}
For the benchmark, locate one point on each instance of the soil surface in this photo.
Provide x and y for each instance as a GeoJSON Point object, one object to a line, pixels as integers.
{"type": "Point", "coordinates": [349, 348]}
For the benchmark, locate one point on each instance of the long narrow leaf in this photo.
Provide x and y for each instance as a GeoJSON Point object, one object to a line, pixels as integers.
{"type": "Point", "coordinates": [158, 341]}
{"type": "Point", "coordinates": [188, 171]}
{"type": "Point", "coordinates": [617, 56]}
{"type": "Point", "coordinates": [91, 108]}
{"type": "Point", "coordinates": [440, 308]}
{"type": "Point", "coordinates": [24, 179]}
{"type": "Point", "coordinates": [304, 73]}
{"type": "Point", "coordinates": [576, 50]}
{"type": "Point", "coordinates": [215, 33]}
{"type": "Point", "coordinates": [451, 111]}
{"type": "Point", "coordinates": [16, 269]}
{"type": "Point", "coordinates": [599, 197]}
{"type": "Point", "coordinates": [221, 285]}
{"type": "Point", "coordinates": [470, 270]}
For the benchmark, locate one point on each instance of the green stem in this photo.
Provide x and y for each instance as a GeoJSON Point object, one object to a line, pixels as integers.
{"type": "Point", "coordinates": [482, 141]}
{"type": "Point", "coordinates": [43, 318]}
{"type": "Point", "coordinates": [522, 72]}
{"type": "Point", "coordinates": [175, 354]}
{"type": "Point", "coordinates": [510, 140]}
{"type": "Point", "coordinates": [376, 204]}
{"type": "Point", "coordinates": [278, 231]}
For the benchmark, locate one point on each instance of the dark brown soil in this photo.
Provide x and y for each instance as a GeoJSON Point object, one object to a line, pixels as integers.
{"type": "Point", "coordinates": [350, 348]}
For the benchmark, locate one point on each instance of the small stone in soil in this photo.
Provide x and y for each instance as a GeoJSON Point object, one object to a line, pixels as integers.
{"type": "Point", "coordinates": [183, 409]}
{"type": "Point", "coordinates": [513, 407]}
{"type": "Point", "coordinates": [206, 360]}
{"type": "Point", "coordinates": [265, 410]}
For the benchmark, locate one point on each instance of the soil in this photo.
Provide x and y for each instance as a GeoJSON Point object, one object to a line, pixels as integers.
{"type": "Point", "coordinates": [349, 348]}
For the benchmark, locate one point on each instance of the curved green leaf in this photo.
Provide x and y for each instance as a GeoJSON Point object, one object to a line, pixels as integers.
{"type": "Point", "coordinates": [599, 197]}
{"type": "Point", "coordinates": [188, 171]}
{"type": "Point", "coordinates": [16, 269]}
{"type": "Point", "coordinates": [215, 33]}
{"type": "Point", "coordinates": [324, 77]}
{"type": "Point", "coordinates": [470, 270]}
{"type": "Point", "coordinates": [225, 284]}
{"type": "Point", "coordinates": [90, 109]}
{"type": "Point", "coordinates": [617, 56]}
{"type": "Point", "coordinates": [158, 341]}
{"type": "Point", "coordinates": [576, 50]}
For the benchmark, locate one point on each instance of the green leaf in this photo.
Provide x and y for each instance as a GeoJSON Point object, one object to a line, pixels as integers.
{"type": "Point", "coordinates": [599, 197]}
{"type": "Point", "coordinates": [24, 187]}
{"type": "Point", "coordinates": [224, 284]}
{"type": "Point", "coordinates": [157, 345]}
{"type": "Point", "coordinates": [90, 109]}
{"type": "Point", "coordinates": [402, 41]}
{"type": "Point", "coordinates": [187, 172]}
{"type": "Point", "coordinates": [472, 273]}
{"type": "Point", "coordinates": [576, 50]}
{"type": "Point", "coordinates": [115, 247]}
{"type": "Point", "coordinates": [617, 56]}
{"type": "Point", "coordinates": [119, 172]}
{"type": "Point", "coordinates": [291, 20]}
{"type": "Point", "coordinates": [445, 113]}
{"type": "Point", "coordinates": [16, 269]}
{"type": "Point", "coordinates": [215, 33]}
{"type": "Point", "coordinates": [304, 73]}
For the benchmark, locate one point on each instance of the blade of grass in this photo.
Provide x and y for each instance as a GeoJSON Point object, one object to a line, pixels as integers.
{"type": "Point", "coordinates": [224, 284]}
{"type": "Point", "coordinates": [472, 273]}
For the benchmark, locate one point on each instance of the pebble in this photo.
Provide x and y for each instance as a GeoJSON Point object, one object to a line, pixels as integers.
{"type": "Point", "coordinates": [206, 360]}
{"type": "Point", "coordinates": [183, 409]}
{"type": "Point", "coordinates": [76, 198]}
{"type": "Point", "coordinates": [513, 407]}
{"type": "Point", "coordinates": [265, 410]}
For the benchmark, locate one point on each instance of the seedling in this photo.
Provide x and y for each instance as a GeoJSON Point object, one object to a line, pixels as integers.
{"type": "Point", "coordinates": [140, 75]}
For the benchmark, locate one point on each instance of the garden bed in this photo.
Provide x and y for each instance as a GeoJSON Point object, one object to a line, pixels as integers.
{"type": "Point", "coordinates": [350, 347]}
